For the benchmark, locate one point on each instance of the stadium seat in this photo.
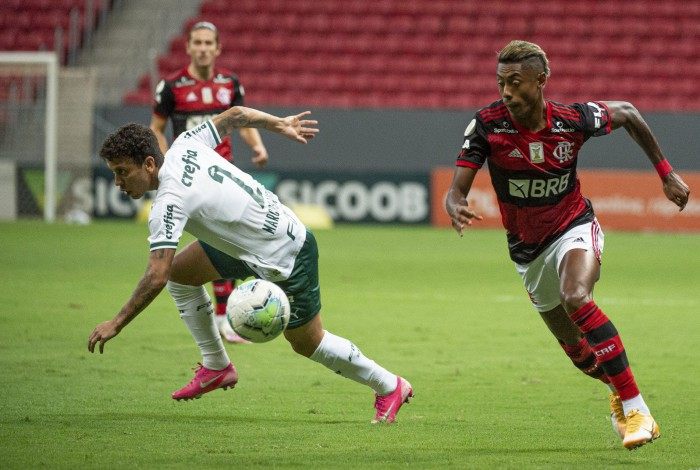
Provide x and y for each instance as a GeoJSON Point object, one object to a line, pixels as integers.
{"type": "Point", "coordinates": [429, 53]}
{"type": "Point", "coordinates": [30, 25]}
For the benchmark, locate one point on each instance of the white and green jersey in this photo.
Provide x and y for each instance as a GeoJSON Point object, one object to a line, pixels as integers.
{"type": "Point", "coordinates": [207, 196]}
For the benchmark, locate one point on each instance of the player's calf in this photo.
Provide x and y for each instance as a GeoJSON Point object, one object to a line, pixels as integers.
{"type": "Point", "coordinates": [584, 359]}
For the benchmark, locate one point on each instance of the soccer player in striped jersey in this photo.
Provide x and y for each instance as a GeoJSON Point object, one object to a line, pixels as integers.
{"type": "Point", "coordinates": [192, 95]}
{"type": "Point", "coordinates": [531, 145]}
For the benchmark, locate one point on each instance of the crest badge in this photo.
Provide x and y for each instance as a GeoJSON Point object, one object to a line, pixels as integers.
{"type": "Point", "coordinates": [536, 152]}
{"type": "Point", "coordinates": [224, 96]}
{"type": "Point", "coordinates": [207, 96]}
{"type": "Point", "coordinates": [564, 151]}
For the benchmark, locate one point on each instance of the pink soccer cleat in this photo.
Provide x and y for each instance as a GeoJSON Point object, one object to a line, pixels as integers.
{"type": "Point", "coordinates": [388, 405]}
{"type": "Point", "coordinates": [205, 380]}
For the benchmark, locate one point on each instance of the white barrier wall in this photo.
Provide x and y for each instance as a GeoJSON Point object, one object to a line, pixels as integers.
{"type": "Point", "coordinates": [8, 191]}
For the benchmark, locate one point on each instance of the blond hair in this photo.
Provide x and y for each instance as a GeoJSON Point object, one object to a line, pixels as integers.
{"type": "Point", "coordinates": [522, 51]}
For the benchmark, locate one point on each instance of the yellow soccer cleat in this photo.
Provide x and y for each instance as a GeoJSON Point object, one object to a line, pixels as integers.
{"type": "Point", "coordinates": [641, 428]}
{"type": "Point", "coordinates": [617, 415]}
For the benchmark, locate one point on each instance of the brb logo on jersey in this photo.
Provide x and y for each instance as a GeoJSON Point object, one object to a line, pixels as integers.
{"type": "Point", "coordinates": [538, 188]}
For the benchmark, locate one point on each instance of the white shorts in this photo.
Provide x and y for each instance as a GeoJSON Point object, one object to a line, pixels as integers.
{"type": "Point", "coordinates": [541, 276]}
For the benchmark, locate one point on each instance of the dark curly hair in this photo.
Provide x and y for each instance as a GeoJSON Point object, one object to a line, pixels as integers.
{"type": "Point", "coordinates": [133, 142]}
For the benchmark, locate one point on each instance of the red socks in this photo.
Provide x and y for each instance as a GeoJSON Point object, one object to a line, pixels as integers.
{"type": "Point", "coordinates": [607, 348]}
{"type": "Point", "coordinates": [583, 358]}
{"type": "Point", "coordinates": [222, 289]}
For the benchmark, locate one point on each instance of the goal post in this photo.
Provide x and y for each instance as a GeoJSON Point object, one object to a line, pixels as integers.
{"type": "Point", "coordinates": [16, 64]}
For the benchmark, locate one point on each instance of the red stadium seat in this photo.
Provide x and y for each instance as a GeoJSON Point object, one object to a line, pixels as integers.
{"type": "Point", "coordinates": [7, 40]}
{"type": "Point", "coordinates": [30, 25]}
{"type": "Point", "coordinates": [435, 53]}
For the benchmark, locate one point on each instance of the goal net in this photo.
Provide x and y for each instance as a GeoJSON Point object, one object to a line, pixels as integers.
{"type": "Point", "coordinates": [28, 134]}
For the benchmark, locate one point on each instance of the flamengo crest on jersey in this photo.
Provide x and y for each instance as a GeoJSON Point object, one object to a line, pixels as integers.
{"type": "Point", "coordinates": [534, 173]}
{"type": "Point", "coordinates": [210, 198]}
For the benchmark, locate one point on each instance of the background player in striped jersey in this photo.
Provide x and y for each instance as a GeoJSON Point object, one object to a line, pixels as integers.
{"type": "Point", "coordinates": [191, 96]}
{"type": "Point", "coordinates": [531, 145]}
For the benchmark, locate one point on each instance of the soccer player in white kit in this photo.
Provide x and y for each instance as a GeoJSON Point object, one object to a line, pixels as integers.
{"type": "Point", "coordinates": [242, 230]}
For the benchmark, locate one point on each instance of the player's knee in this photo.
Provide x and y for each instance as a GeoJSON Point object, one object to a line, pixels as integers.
{"type": "Point", "coordinates": [573, 299]}
{"type": "Point", "coordinates": [182, 293]}
{"type": "Point", "coordinates": [302, 346]}
{"type": "Point", "coordinates": [305, 339]}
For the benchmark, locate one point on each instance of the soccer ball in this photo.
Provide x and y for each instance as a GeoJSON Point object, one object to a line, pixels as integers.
{"type": "Point", "coordinates": [258, 310]}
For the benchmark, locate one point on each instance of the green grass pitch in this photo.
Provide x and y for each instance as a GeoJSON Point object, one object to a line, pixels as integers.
{"type": "Point", "coordinates": [493, 389]}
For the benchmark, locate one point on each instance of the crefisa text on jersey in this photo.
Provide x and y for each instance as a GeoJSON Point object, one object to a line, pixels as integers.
{"type": "Point", "coordinates": [191, 166]}
{"type": "Point", "coordinates": [168, 221]}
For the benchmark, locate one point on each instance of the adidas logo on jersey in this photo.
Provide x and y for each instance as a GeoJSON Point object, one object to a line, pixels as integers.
{"type": "Point", "coordinates": [191, 97]}
{"type": "Point", "coordinates": [515, 154]}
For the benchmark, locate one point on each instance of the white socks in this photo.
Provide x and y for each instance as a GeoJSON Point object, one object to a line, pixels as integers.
{"type": "Point", "coordinates": [635, 403]}
{"type": "Point", "coordinates": [344, 358]}
{"type": "Point", "coordinates": [196, 311]}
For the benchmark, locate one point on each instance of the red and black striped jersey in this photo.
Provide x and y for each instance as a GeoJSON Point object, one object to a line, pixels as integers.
{"type": "Point", "coordinates": [534, 173]}
{"type": "Point", "coordinates": [189, 102]}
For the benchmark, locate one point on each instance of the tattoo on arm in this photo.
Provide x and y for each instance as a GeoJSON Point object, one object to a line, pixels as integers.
{"type": "Point", "coordinates": [143, 295]}
{"type": "Point", "coordinates": [148, 287]}
{"type": "Point", "coordinates": [239, 116]}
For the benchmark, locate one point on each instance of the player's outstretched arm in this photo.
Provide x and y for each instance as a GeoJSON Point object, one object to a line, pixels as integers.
{"type": "Point", "coordinates": [293, 127]}
{"type": "Point", "coordinates": [624, 114]}
{"type": "Point", "coordinates": [148, 288]}
{"type": "Point", "coordinates": [456, 201]}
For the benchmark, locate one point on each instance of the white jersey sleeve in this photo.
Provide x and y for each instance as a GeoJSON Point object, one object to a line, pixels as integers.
{"type": "Point", "coordinates": [166, 223]}
{"type": "Point", "coordinates": [205, 133]}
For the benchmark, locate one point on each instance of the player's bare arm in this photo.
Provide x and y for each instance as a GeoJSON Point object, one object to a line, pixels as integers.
{"type": "Point", "coordinates": [456, 201]}
{"type": "Point", "coordinates": [153, 281]}
{"type": "Point", "coordinates": [292, 127]}
{"type": "Point", "coordinates": [252, 138]}
{"type": "Point", "coordinates": [624, 114]}
{"type": "Point", "coordinates": [157, 125]}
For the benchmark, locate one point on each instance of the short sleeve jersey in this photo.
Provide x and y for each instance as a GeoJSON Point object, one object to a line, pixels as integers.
{"type": "Point", "coordinates": [212, 199]}
{"type": "Point", "coordinates": [534, 173]}
{"type": "Point", "coordinates": [188, 102]}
